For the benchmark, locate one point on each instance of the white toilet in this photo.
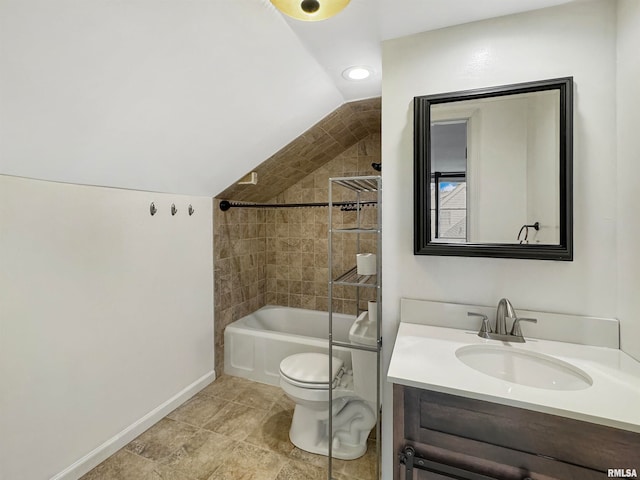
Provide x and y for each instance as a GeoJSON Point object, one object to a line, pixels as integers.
{"type": "Point", "coordinates": [304, 377]}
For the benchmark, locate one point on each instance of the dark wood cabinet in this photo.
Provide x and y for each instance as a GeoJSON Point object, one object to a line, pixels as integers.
{"type": "Point", "coordinates": [468, 439]}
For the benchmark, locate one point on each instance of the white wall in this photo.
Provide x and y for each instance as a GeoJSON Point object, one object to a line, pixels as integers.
{"type": "Point", "coordinates": [577, 40]}
{"type": "Point", "coordinates": [106, 315]}
{"type": "Point", "coordinates": [543, 183]}
{"type": "Point", "coordinates": [170, 96]}
{"type": "Point", "coordinates": [628, 226]}
{"type": "Point", "coordinates": [499, 171]}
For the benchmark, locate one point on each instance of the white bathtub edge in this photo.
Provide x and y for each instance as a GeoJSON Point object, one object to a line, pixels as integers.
{"type": "Point", "coordinates": [249, 351]}
{"type": "Point", "coordinates": [312, 341]}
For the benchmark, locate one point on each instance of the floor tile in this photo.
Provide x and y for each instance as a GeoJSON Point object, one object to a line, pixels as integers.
{"type": "Point", "coordinates": [226, 387]}
{"type": "Point", "coordinates": [198, 411]}
{"type": "Point", "coordinates": [297, 470]}
{"type": "Point", "coordinates": [342, 476]}
{"type": "Point", "coordinates": [273, 432]}
{"type": "Point", "coordinates": [285, 403]}
{"type": "Point", "coordinates": [236, 421]}
{"type": "Point", "coordinates": [123, 465]}
{"type": "Point", "coordinates": [258, 395]}
{"type": "Point", "coordinates": [201, 455]}
{"type": "Point", "coordinates": [249, 462]}
{"type": "Point", "coordinates": [239, 441]}
{"type": "Point", "coordinates": [363, 468]}
{"type": "Point", "coordinates": [162, 439]}
{"type": "Point", "coordinates": [165, 473]}
{"type": "Point", "coordinates": [310, 458]}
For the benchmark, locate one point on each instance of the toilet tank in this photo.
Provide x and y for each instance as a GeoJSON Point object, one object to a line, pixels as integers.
{"type": "Point", "coordinates": [365, 364]}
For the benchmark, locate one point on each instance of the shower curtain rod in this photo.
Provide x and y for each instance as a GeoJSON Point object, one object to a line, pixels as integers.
{"type": "Point", "coordinates": [226, 205]}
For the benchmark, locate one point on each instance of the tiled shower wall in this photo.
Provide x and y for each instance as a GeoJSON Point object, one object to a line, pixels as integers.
{"type": "Point", "coordinates": [297, 239]}
{"type": "Point", "coordinates": [239, 265]}
{"type": "Point", "coordinates": [280, 256]}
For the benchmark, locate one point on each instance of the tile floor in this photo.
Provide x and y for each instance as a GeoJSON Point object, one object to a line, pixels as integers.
{"type": "Point", "coordinates": [234, 429]}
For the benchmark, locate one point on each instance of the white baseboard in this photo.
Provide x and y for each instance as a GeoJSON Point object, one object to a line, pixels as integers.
{"type": "Point", "coordinates": [115, 443]}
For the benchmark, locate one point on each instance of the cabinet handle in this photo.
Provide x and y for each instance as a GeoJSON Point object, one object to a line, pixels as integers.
{"type": "Point", "coordinates": [411, 461]}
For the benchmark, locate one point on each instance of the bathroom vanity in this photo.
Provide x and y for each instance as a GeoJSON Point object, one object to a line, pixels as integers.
{"type": "Point", "coordinates": [457, 437]}
{"type": "Point", "coordinates": [453, 421]}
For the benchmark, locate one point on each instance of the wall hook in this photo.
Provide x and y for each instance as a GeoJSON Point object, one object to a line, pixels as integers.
{"type": "Point", "coordinates": [152, 209]}
{"type": "Point", "coordinates": [174, 210]}
{"type": "Point", "coordinates": [191, 210]}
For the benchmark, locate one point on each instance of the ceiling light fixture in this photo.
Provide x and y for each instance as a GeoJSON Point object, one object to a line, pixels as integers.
{"type": "Point", "coordinates": [357, 73]}
{"type": "Point", "coordinates": [310, 10]}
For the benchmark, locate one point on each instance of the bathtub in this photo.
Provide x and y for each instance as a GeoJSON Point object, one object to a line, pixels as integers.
{"type": "Point", "coordinates": [255, 345]}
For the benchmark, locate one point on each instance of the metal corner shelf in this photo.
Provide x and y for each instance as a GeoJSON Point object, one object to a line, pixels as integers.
{"type": "Point", "coordinates": [351, 278]}
{"type": "Point", "coordinates": [356, 347]}
{"type": "Point", "coordinates": [354, 230]}
{"type": "Point", "coordinates": [367, 190]}
{"type": "Point", "coordinates": [358, 184]}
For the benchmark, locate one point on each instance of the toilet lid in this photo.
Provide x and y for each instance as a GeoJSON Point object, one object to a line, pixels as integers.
{"type": "Point", "coordinates": [310, 368]}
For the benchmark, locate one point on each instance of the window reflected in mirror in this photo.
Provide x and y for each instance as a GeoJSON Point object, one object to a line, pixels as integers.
{"type": "Point", "coordinates": [448, 179]}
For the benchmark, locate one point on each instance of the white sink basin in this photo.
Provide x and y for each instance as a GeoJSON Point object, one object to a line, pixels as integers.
{"type": "Point", "coordinates": [523, 367]}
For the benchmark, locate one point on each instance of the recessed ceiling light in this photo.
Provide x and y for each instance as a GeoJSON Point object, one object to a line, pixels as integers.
{"type": "Point", "coordinates": [357, 73]}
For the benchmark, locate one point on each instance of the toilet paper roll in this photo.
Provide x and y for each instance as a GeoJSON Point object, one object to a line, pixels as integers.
{"type": "Point", "coordinates": [366, 263]}
{"type": "Point", "coordinates": [373, 311]}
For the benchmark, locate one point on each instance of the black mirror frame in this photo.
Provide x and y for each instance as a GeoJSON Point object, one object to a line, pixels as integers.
{"type": "Point", "coordinates": [422, 167]}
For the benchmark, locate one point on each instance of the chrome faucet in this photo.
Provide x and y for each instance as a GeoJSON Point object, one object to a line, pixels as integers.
{"type": "Point", "coordinates": [505, 311]}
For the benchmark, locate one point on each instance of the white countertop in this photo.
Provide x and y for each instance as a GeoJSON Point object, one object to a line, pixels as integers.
{"type": "Point", "coordinates": [424, 357]}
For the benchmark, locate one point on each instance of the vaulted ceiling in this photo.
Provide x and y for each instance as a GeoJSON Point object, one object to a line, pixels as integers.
{"type": "Point", "coordinates": [186, 96]}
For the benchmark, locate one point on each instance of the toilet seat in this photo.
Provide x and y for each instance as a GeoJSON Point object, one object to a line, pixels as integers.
{"type": "Point", "coordinates": [311, 370]}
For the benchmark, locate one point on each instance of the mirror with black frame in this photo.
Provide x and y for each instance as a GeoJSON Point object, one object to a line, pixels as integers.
{"type": "Point", "coordinates": [493, 172]}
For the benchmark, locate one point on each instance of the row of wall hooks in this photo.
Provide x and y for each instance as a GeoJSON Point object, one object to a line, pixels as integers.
{"type": "Point", "coordinates": [153, 209]}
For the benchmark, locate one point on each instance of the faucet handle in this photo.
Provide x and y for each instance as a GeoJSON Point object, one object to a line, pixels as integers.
{"type": "Point", "coordinates": [485, 328]}
{"type": "Point", "coordinates": [515, 328]}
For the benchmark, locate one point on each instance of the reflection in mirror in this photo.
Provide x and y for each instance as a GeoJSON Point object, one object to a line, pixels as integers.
{"type": "Point", "coordinates": [494, 165]}
{"type": "Point", "coordinates": [449, 180]}
{"type": "Point", "coordinates": [493, 172]}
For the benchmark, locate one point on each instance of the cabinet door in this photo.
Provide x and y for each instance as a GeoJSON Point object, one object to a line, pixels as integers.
{"type": "Point", "coordinates": [503, 442]}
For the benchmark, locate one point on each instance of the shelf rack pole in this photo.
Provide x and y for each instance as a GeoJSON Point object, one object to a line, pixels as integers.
{"type": "Point", "coordinates": [351, 278]}
{"type": "Point", "coordinates": [330, 304]}
{"type": "Point", "coordinates": [358, 225]}
{"type": "Point", "coordinates": [379, 330]}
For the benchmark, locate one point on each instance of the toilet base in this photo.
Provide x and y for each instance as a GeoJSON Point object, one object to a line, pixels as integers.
{"type": "Point", "coordinates": [309, 432]}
